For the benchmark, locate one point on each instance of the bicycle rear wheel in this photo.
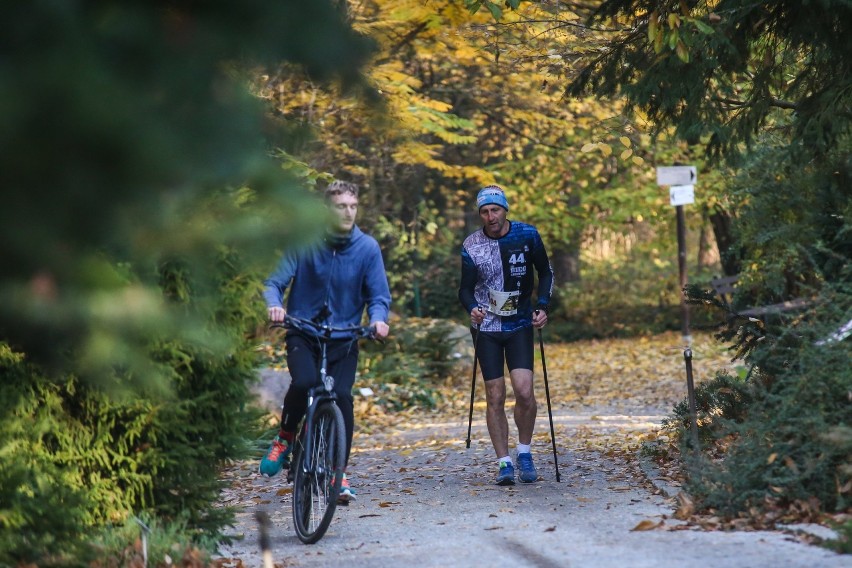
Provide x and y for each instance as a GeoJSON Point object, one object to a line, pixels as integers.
{"type": "Point", "coordinates": [318, 477]}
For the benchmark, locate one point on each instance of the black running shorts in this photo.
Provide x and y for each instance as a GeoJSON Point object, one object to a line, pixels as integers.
{"type": "Point", "coordinates": [495, 347]}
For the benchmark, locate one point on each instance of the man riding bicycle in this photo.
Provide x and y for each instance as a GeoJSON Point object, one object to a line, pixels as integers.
{"type": "Point", "coordinates": [331, 283]}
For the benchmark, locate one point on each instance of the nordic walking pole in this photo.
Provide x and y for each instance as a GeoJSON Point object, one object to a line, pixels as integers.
{"type": "Point", "coordinates": [549, 411]}
{"type": "Point", "coordinates": [472, 385]}
{"type": "Point", "coordinates": [264, 522]}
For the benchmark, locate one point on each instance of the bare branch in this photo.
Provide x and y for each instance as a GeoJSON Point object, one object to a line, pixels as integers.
{"type": "Point", "coordinates": [778, 103]}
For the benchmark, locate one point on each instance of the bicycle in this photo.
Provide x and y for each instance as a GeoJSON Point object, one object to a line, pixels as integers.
{"type": "Point", "coordinates": [319, 450]}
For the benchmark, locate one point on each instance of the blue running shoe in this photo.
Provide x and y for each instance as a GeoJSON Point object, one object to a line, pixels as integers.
{"type": "Point", "coordinates": [525, 464]}
{"type": "Point", "coordinates": [506, 475]}
{"type": "Point", "coordinates": [276, 458]}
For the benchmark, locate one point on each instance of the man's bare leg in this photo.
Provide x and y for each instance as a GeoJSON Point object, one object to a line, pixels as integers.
{"type": "Point", "coordinates": [525, 404]}
{"type": "Point", "coordinates": [495, 415]}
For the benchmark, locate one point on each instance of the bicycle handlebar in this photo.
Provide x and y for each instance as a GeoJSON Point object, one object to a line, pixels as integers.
{"type": "Point", "coordinates": [356, 331]}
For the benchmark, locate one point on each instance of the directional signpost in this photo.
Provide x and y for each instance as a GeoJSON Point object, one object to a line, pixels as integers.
{"type": "Point", "coordinates": [676, 175]}
{"type": "Point", "coordinates": [682, 194]}
{"type": "Point", "coordinates": [681, 181]}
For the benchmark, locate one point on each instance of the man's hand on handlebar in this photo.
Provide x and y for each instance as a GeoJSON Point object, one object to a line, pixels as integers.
{"type": "Point", "coordinates": [276, 314]}
{"type": "Point", "coordinates": [382, 329]}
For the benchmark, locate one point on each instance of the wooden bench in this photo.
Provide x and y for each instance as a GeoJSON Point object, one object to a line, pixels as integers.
{"type": "Point", "coordinates": [726, 285]}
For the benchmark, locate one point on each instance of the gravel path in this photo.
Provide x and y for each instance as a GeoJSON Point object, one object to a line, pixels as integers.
{"type": "Point", "coordinates": [426, 500]}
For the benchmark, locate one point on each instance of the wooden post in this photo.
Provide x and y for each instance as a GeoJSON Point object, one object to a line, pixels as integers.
{"type": "Point", "coordinates": [681, 263]}
{"type": "Point", "coordinates": [690, 389]}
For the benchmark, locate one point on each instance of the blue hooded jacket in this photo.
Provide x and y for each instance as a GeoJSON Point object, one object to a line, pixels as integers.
{"type": "Point", "coordinates": [346, 276]}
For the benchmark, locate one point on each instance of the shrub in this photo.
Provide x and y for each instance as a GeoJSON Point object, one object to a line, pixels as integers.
{"type": "Point", "coordinates": [408, 368]}
{"type": "Point", "coordinates": [44, 504]}
{"type": "Point", "coordinates": [783, 442]}
{"type": "Point", "coordinates": [82, 456]}
{"type": "Point", "coordinates": [720, 405]}
{"type": "Point", "coordinates": [146, 538]}
{"type": "Point", "coordinates": [779, 437]}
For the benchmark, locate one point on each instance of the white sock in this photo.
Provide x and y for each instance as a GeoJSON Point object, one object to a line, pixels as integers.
{"type": "Point", "coordinates": [507, 459]}
{"type": "Point", "coordinates": [524, 448]}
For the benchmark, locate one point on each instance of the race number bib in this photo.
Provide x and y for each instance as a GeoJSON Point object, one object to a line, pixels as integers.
{"type": "Point", "coordinates": [503, 303]}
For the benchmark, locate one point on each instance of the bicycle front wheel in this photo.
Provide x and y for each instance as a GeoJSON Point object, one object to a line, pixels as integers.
{"type": "Point", "coordinates": [316, 484]}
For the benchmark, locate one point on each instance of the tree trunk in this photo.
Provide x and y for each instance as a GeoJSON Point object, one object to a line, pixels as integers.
{"type": "Point", "coordinates": [707, 256]}
{"type": "Point", "coordinates": [565, 256]}
{"type": "Point", "coordinates": [728, 255]}
{"type": "Point", "coordinates": [566, 264]}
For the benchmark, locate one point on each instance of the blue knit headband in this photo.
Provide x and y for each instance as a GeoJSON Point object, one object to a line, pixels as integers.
{"type": "Point", "coordinates": [491, 194]}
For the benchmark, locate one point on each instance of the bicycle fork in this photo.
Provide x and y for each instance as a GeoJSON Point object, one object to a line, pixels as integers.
{"type": "Point", "coordinates": [308, 440]}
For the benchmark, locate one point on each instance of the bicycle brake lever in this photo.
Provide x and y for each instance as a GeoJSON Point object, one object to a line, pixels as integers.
{"type": "Point", "coordinates": [374, 335]}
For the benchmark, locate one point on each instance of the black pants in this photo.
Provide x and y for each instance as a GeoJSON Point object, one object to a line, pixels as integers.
{"type": "Point", "coordinates": [304, 355]}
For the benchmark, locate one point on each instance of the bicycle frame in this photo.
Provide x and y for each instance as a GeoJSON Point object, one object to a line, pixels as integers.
{"type": "Point", "coordinates": [313, 508]}
{"type": "Point", "coordinates": [325, 390]}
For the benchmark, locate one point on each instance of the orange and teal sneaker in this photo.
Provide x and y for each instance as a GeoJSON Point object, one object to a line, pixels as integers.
{"type": "Point", "coordinates": [276, 458]}
{"type": "Point", "coordinates": [347, 493]}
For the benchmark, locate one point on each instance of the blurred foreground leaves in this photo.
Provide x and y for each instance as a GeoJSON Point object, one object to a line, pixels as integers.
{"type": "Point", "coordinates": [141, 202]}
{"type": "Point", "coordinates": [130, 139]}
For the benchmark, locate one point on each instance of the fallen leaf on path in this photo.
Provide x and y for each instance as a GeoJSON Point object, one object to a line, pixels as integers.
{"type": "Point", "coordinates": [647, 525]}
{"type": "Point", "coordinates": [709, 523]}
{"type": "Point", "coordinates": [685, 506]}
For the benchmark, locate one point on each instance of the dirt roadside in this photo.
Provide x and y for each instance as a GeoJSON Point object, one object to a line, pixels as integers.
{"type": "Point", "coordinates": [424, 499]}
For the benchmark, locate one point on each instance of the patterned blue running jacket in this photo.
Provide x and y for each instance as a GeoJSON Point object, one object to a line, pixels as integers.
{"type": "Point", "coordinates": [497, 275]}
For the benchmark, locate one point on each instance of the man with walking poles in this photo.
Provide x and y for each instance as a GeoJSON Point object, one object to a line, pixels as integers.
{"type": "Point", "coordinates": [496, 288]}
